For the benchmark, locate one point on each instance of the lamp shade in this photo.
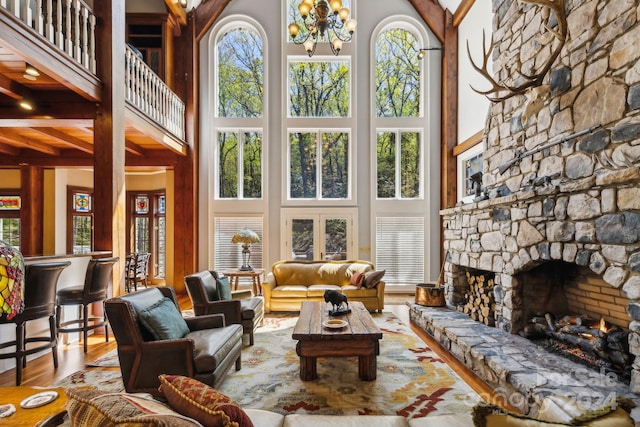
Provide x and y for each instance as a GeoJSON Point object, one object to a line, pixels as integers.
{"type": "Point", "coordinates": [246, 237]}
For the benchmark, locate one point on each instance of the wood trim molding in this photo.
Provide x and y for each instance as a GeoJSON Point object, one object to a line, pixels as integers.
{"type": "Point", "coordinates": [470, 142]}
{"type": "Point", "coordinates": [461, 11]}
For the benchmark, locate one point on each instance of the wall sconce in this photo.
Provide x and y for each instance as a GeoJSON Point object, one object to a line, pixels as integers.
{"type": "Point", "coordinates": [183, 3]}
{"type": "Point", "coordinates": [30, 72]}
{"type": "Point", "coordinates": [422, 51]}
{"type": "Point", "coordinates": [26, 104]}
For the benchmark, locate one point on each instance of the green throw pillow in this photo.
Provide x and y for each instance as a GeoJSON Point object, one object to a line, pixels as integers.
{"type": "Point", "coordinates": [224, 288]}
{"type": "Point", "coordinates": [164, 321]}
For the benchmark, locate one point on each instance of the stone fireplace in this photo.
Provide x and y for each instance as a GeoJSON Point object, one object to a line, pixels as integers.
{"type": "Point", "coordinates": [569, 213]}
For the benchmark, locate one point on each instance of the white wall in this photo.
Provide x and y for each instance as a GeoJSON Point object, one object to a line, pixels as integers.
{"type": "Point", "coordinates": [473, 107]}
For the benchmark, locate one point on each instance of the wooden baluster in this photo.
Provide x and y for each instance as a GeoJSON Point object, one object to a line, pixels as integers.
{"type": "Point", "coordinates": [59, 36]}
{"type": "Point", "coordinates": [92, 43]}
{"type": "Point", "coordinates": [39, 21]}
{"type": "Point", "coordinates": [84, 49]}
{"type": "Point", "coordinates": [49, 22]}
{"type": "Point", "coordinates": [77, 52]}
{"type": "Point", "coordinates": [68, 34]}
{"type": "Point", "coordinates": [127, 74]}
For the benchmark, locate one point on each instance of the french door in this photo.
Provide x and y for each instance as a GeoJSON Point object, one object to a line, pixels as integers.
{"type": "Point", "coordinates": [312, 234]}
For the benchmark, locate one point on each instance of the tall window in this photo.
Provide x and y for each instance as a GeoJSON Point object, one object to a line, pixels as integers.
{"type": "Point", "coordinates": [240, 92]}
{"type": "Point", "coordinates": [79, 220]}
{"type": "Point", "coordinates": [10, 218]}
{"type": "Point", "coordinates": [397, 94]}
{"type": "Point", "coordinates": [148, 228]}
{"type": "Point", "coordinates": [399, 128]}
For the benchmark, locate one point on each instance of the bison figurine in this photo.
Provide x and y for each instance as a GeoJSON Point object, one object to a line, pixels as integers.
{"type": "Point", "coordinates": [336, 299]}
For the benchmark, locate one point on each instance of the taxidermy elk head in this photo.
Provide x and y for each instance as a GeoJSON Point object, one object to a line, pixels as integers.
{"type": "Point", "coordinates": [559, 34]}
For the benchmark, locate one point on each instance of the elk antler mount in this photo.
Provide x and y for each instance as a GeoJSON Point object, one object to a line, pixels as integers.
{"type": "Point", "coordinates": [559, 35]}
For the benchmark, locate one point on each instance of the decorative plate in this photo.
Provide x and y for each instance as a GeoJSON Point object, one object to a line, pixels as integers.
{"type": "Point", "coordinates": [334, 323]}
{"type": "Point", "coordinates": [6, 410]}
{"type": "Point", "coordinates": [39, 399]}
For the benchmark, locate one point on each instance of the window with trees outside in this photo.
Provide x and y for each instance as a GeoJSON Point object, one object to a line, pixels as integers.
{"type": "Point", "coordinates": [79, 220]}
{"type": "Point", "coordinates": [397, 92]}
{"type": "Point", "coordinates": [399, 126]}
{"type": "Point", "coordinates": [240, 91]}
{"type": "Point", "coordinates": [10, 204]}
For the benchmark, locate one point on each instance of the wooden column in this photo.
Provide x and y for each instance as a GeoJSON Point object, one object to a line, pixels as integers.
{"type": "Point", "coordinates": [32, 210]}
{"type": "Point", "coordinates": [449, 188]}
{"type": "Point", "coordinates": [109, 141]}
{"type": "Point", "coordinates": [186, 170]}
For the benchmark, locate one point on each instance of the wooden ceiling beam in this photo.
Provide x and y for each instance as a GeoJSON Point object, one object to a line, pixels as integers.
{"type": "Point", "coordinates": [14, 138]}
{"type": "Point", "coordinates": [134, 148]}
{"type": "Point", "coordinates": [9, 150]}
{"type": "Point", "coordinates": [11, 88]}
{"type": "Point", "coordinates": [66, 139]}
{"type": "Point", "coordinates": [433, 14]}
{"type": "Point", "coordinates": [177, 11]}
{"type": "Point", "coordinates": [206, 14]}
{"type": "Point", "coordinates": [461, 11]}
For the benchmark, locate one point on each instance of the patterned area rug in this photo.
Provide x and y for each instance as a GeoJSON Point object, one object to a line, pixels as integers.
{"type": "Point", "coordinates": [412, 380]}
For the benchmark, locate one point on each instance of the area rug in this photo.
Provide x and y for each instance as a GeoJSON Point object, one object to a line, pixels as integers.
{"type": "Point", "coordinates": [412, 380]}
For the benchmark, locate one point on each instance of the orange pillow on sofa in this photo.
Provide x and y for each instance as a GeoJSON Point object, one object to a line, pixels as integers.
{"type": "Point", "coordinates": [357, 279]}
{"type": "Point", "coordinates": [201, 402]}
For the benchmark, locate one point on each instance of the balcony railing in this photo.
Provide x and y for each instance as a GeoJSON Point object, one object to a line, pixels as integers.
{"type": "Point", "coordinates": [67, 24]}
{"type": "Point", "coordinates": [151, 95]}
{"type": "Point", "coordinates": [70, 26]}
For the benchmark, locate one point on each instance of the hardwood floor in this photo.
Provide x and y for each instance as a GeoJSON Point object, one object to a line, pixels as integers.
{"type": "Point", "coordinates": [40, 372]}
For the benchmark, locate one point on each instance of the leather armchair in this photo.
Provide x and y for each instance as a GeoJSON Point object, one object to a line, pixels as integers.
{"type": "Point", "coordinates": [204, 289]}
{"type": "Point", "coordinates": [206, 353]}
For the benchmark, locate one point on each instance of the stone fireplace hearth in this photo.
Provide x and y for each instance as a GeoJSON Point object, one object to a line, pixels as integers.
{"type": "Point", "coordinates": [575, 204]}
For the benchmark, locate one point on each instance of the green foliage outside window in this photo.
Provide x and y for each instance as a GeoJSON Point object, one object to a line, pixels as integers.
{"type": "Point", "coordinates": [303, 150]}
{"type": "Point", "coordinates": [240, 74]}
{"type": "Point", "coordinates": [397, 74]}
{"type": "Point", "coordinates": [410, 165]}
{"type": "Point", "coordinates": [319, 88]}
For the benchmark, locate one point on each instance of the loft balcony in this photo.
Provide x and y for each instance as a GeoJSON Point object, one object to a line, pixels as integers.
{"type": "Point", "coordinates": [57, 37]}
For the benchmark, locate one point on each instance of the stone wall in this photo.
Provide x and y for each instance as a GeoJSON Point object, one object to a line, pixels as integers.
{"type": "Point", "coordinates": [578, 201]}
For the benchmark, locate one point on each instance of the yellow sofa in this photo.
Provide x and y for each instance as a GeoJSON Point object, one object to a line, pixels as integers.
{"type": "Point", "coordinates": [291, 282]}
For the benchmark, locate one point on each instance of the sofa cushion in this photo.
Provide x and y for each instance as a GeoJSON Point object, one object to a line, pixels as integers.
{"type": "Point", "coordinates": [91, 407]}
{"type": "Point", "coordinates": [263, 418]}
{"type": "Point", "coordinates": [289, 291]}
{"type": "Point", "coordinates": [372, 278]}
{"type": "Point", "coordinates": [317, 291]}
{"type": "Point", "coordinates": [163, 320]}
{"type": "Point", "coordinates": [449, 420]}
{"type": "Point", "coordinates": [211, 346]}
{"type": "Point", "coordinates": [355, 293]}
{"type": "Point", "coordinates": [197, 400]}
{"type": "Point", "coordinates": [356, 279]}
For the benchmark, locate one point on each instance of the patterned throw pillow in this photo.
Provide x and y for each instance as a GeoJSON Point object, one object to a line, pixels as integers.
{"type": "Point", "coordinates": [91, 407]}
{"type": "Point", "coordinates": [372, 278]}
{"type": "Point", "coordinates": [356, 280]}
{"type": "Point", "coordinates": [196, 400]}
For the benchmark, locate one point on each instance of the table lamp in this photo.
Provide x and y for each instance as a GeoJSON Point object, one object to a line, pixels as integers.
{"type": "Point", "coordinates": [246, 237]}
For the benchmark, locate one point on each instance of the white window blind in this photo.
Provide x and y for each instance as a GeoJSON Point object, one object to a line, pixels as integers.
{"type": "Point", "coordinates": [400, 249]}
{"type": "Point", "coordinates": [227, 255]}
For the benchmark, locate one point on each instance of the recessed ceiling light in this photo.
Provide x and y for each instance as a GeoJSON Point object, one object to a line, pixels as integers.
{"type": "Point", "coordinates": [25, 104]}
{"type": "Point", "coordinates": [30, 70]}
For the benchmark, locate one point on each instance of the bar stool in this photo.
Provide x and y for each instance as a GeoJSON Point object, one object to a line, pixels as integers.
{"type": "Point", "coordinates": [39, 302]}
{"type": "Point", "coordinates": [96, 284]}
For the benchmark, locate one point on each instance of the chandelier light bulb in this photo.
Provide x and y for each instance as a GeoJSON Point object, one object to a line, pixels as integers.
{"type": "Point", "coordinates": [308, 46]}
{"type": "Point", "coordinates": [344, 14]}
{"type": "Point", "coordinates": [304, 9]}
{"type": "Point", "coordinates": [309, 2]}
{"type": "Point", "coordinates": [351, 25]}
{"type": "Point", "coordinates": [335, 5]}
{"type": "Point", "coordinates": [294, 29]}
{"type": "Point", "coordinates": [337, 44]}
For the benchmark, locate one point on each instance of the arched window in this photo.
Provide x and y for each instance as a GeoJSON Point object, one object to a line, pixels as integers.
{"type": "Point", "coordinates": [403, 157]}
{"type": "Point", "coordinates": [239, 59]}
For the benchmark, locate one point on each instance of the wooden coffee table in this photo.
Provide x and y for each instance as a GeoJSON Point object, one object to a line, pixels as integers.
{"type": "Point", "coordinates": [359, 338]}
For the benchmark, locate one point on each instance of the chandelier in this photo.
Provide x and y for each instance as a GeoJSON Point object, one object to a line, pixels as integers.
{"type": "Point", "coordinates": [333, 25]}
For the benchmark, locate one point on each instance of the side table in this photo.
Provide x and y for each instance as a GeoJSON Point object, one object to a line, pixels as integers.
{"type": "Point", "coordinates": [255, 276]}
